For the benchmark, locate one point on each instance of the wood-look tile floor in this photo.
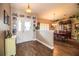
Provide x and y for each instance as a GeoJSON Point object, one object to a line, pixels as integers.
{"type": "Point", "coordinates": [65, 49]}
{"type": "Point", "coordinates": [32, 48]}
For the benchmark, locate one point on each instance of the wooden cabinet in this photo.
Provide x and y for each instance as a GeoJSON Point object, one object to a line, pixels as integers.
{"type": "Point", "coordinates": [65, 30]}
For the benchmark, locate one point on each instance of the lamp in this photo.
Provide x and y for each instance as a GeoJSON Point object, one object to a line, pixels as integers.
{"type": "Point", "coordinates": [28, 10]}
{"type": "Point", "coordinates": [3, 26]}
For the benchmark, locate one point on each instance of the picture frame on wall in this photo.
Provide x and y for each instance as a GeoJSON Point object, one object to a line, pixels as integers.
{"type": "Point", "coordinates": [6, 21]}
{"type": "Point", "coordinates": [6, 18]}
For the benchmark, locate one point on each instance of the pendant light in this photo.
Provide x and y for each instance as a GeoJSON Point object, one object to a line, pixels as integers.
{"type": "Point", "coordinates": [28, 10]}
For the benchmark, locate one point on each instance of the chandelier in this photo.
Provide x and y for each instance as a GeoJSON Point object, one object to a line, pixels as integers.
{"type": "Point", "coordinates": [28, 10]}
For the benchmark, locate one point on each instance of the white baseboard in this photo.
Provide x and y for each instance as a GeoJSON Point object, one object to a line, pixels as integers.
{"type": "Point", "coordinates": [38, 41]}
{"type": "Point", "coordinates": [25, 41]}
{"type": "Point", "coordinates": [45, 44]}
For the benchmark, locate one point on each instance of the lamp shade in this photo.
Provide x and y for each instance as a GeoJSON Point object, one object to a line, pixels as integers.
{"type": "Point", "coordinates": [28, 10]}
{"type": "Point", "coordinates": [3, 26]}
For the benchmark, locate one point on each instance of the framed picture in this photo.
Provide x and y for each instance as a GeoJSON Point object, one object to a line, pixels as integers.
{"type": "Point", "coordinates": [6, 21]}
{"type": "Point", "coordinates": [6, 18]}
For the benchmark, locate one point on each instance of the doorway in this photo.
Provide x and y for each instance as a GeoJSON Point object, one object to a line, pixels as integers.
{"type": "Point", "coordinates": [24, 29]}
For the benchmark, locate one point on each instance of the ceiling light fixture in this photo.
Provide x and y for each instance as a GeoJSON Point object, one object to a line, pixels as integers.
{"type": "Point", "coordinates": [28, 10]}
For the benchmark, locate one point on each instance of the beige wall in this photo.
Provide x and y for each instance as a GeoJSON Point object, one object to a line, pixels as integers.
{"type": "Point", "coordinates": [7, 8]}
{"type": "Point", "coordinates": [1, 35]}
{"type": "Point", "coordinates": [2, 8]}
{"type": "Point", "coordinates": [1, 43]}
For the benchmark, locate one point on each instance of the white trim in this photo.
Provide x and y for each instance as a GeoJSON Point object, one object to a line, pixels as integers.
{"type": "Point", "coordinates": [34, 39]}
{"type": "Point", "coordinates": [45, 44]}
{"type": "Point", "coordinates": [25, 41]}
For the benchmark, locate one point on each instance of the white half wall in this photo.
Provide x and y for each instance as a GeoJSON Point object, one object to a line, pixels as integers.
{"type": "Point", "coordinates": [24, 36]}
{"type": "Point", "coordinates": [46, 37]}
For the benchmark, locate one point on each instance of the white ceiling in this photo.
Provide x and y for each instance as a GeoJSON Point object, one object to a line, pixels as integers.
{"type": "Point", "coordinates": [47, 10]}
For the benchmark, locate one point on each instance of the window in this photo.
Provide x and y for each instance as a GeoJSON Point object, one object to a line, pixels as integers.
{"type": "Point", "coordinates": [44, 26]}
{"type": "Point", "coordinates": [23, 24]}
{"type": "Point", "coordinates": [27, 25]}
